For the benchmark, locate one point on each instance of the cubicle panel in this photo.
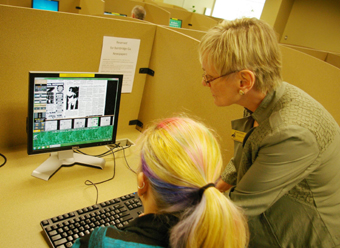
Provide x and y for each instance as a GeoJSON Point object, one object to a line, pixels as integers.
{"type": "Point", "coordinates": [313, 52]}
{"type": "Point", "coordinates": [35, 40]}
{"type": "Point", "coordinates": [70, 6]}
{"type": "Point", "coordinates": [160, 3]}
{"type": "Point", "coordinates": [313, 23]}
{"type": "Point", "coordinates": [91, 7]}
{"type": "Point", "coordinates": [176, 87]}
{"type": "Point", "coordinates": [329, 57]}
{"type": "Point", "coordinates": [202, 22]}
{"type": "Point", "coordinates": [196, 34]}
{"type": "Point", "coordinates": [333, 59]}
{"type": "Point", "coordinates": [181, 8]}
{"type": "Point", "coordinates": [192, 20]}
{"type": "Point", "coordinates": [318, 78]}
{"type": "Point", "coordinates": [156, 14]}
{"type": "Point", "coordinates": [121, 6]}
{"type": "Point", "coordinates": [124, 18]}
{"type": "Point", "coordinates": [19, 3]}
{"type": "Point", "coordinates": [185, 16]}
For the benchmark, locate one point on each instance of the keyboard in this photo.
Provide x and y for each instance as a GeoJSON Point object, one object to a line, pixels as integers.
{"type": "Point", "coordinates": [63, 230]}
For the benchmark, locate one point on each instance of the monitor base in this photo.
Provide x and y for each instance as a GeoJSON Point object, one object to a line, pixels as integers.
{"type": "Point", "coordinates": [65, 158]}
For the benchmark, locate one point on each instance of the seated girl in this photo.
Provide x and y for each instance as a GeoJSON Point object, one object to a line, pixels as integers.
{"type": "Point", "coordinates": [180, 162]}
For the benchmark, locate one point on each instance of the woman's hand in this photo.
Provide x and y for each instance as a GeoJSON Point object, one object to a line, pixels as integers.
{"type": "Point", "coordinates": [222, 186]}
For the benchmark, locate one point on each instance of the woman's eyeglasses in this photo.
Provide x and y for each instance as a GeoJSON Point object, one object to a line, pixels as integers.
{"type": "Point", "coordinates": [208, 81]}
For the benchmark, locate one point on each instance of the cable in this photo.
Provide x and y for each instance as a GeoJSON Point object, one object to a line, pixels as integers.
{"type": "Point", "coordinates": [127, 164]}
{"type": "Point", "coordinates": [99, 155]}
{"type": "Point", "coordinates": [5, 160]}
{"type": "Point", "coordinates": [89, 182]}
{"type": "Point", "coordinates": [111, 150]}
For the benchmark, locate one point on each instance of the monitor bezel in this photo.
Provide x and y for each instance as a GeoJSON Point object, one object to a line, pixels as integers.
{"type": "Point", "coordinates": [30, 121]}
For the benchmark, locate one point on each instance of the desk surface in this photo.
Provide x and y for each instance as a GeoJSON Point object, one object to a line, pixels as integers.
{"type": "Point", "coordinates": [26, 200]}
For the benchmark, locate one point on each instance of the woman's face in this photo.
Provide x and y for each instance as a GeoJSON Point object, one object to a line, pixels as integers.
{"type": "Point", "coordinates": [225, 89]}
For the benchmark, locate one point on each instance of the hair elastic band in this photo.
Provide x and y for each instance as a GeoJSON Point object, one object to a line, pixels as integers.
{"type": "Point", "coordinates": [201, 190]}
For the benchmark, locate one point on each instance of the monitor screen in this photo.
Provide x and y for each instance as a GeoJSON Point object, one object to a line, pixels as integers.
{"type": "Point", "coordinates": [113, 13]}
{"type": "Point", "coordinates": [45, 5]}
{"type": "Point", "coordinates": [175, 23]}
{"type": "Point", "coordinates": [72, 110]}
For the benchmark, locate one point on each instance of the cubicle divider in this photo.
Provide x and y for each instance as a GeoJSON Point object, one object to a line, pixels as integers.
{"type": "Point", "coordinates": [318, 78]}
{"type": "Point", "coordinates": [87, 7]}
{"type": "Point", "coordinates": [333, 59]}
{"type": "Point", "coordinates": [329, 57]}
{"type": "Point", "coordinates": [41, 40]}
{"type": "Point", "coordinates": [123, 18]}
{"type": "Point", "coordinates": [202, 22]}
{"type": "Point", "coordinates": [162, 4]}
{"type": "Point", "coordinates": [191, 20]}
{"type": "Point", "coordinates": [18, 3]}
{"type": "Point", "coordinates": [36, 40]}
{"type": "Point", "coordinates": [196, 34]}
{"type": "Point", "coordinates": [154, 14]}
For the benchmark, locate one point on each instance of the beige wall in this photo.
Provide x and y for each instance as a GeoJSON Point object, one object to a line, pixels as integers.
{"type": "Point", "coordinates": [314, 24]}
{"type": "Point", "coordinates": [276, 13]}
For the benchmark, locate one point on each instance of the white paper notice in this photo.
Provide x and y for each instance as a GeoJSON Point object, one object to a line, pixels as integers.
{"type": "Point", "coordinates": [119, 56]}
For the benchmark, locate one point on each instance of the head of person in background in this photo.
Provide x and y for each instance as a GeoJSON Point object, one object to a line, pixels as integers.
{"type": "Point", "coordinates": [241, 60]}
{"type": "Point", "coordinates": [138, 12]}
{"type": "Point", "coordinates": [180, 162]}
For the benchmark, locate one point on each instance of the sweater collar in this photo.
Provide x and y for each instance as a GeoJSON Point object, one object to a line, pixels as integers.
{"type": "Point", "coordinates": [268, 104]}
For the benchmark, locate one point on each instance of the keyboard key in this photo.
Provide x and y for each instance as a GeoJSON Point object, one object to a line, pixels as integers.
{"type": "Point", "coordinates": [56, 237]}
{"type": "Point", "coordinates": [60, 241]}
{"type": "Point", "coordinates": [45, 222]}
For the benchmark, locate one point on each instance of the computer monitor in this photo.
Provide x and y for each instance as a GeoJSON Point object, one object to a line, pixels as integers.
{"type": "Point", "coordinates": [113, 13]}
{"type": "Point", "coordinates": [67, 111]}
{"type": "Point", "coordinates": [45, 5]}
{"type": "Point", "coordinates": [175, 23]}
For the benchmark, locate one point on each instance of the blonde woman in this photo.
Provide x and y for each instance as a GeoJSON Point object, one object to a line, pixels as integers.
{"type": "Point", "coordinates": [180, 161]}
{"type": "Point", "coordinates": [285, 172]}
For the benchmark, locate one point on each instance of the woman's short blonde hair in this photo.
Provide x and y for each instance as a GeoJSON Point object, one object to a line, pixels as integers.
{"type": "Point", "coordinates": [246, 43]}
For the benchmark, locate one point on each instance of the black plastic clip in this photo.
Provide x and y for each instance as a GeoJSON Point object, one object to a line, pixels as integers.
{"type": "Point", "coordinates": [146, 71]}
{"type": "Point", "coordinates": [136, 122]}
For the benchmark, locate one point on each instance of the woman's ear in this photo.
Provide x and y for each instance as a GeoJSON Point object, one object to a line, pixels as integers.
{"type": "Point", "coordinates": [247, 80]}
{"type": "Point", "coordinates": [142, 183]}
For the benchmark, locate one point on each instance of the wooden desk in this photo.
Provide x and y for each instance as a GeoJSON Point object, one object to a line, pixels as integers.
{"type": "Point", "coordinates": [26, 200]}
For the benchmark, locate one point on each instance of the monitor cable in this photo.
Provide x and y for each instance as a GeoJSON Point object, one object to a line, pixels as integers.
{"type": "Point", "coordinates": [89, 182]}
{"type": "Point", "coordinates": [111, 150]}
{"type": "Point", "coordinates": [5, 160]}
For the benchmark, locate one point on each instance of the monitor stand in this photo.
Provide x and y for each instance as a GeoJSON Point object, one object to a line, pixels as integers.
{"type": "Point", "coordinates": [65, 158]}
